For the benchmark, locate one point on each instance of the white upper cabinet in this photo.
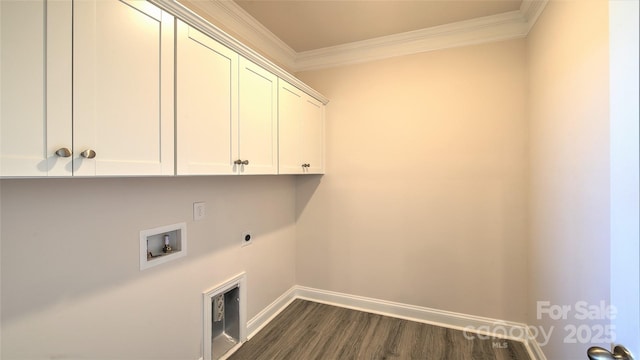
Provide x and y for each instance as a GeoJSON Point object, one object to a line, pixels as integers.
{"type": "Point", "coordinates": [122, 89]}
{"type": "Point", "coordinates": [301, 131]}
{"type": "Point", "coordinates": [206, 104]}
{"type": "Point", "coordinates": [35, 117]}
{"type": "Point", "coordinates": [226, 109]}
{"type": "Point", "coordinates": [258, 120]}
{"type": "Point", "coordinates": [111, 113]}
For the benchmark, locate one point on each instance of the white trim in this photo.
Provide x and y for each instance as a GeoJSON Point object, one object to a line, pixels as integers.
{"type": "Point", "coordinates": [436, 317]}
{"type": "Point", "coordinates": [230, 352]}
{"type": "Point", "coordinates": [232, 16]}
{"type": "Point", "coordinates": [535, 351]}
{"type": "Point", "coordinates": [271, 311]}
{"type": "Point", "coordinates": [531, 10]}
{"type": "Point", "coordinates": [624, 182]}
{"type": "Point", "coordinates": [504, 26]}
{"type": "Point", "coordinates": [508, 25]}
{"type": "Point", "coordinates": [185, 14]}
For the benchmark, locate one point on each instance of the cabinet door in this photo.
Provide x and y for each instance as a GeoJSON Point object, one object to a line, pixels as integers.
{"type": "Point", "coordinates": [289, 111]}
{"type": "Point", "coordinates": [311, 135]}
{"type": "Point", "coordinates": [206, 104]}
{"type": "Point", "coordinates": [301, 131]}
{"type": "Point", "coordinates": [122, 88]}
{"type": "Point", "coordinates": [258, 120]}
{"type": "Point", "coordinates": [35, 118]}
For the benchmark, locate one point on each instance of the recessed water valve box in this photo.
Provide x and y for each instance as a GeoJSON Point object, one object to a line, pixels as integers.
{"type": "Point", "coordinates": [162, 244]}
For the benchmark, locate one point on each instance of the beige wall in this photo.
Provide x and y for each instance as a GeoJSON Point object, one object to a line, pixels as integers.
{"type": "Point", "coordinates": [71, 284]}
{"type": "Point", "coordinates": [424, 198]}
{"type": "Point", "coordinates": [569, 139]}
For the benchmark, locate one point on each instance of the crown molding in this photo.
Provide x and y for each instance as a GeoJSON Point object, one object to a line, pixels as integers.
{"type": "Point", "coordinates": [504, 26]}
{"type": "Point", "coordinates": [531, 10]}
{"type": "Point", "coordinates": [198, 22]}
{"type": "Point", "coordinates": [509, 25]}
{"type": "Point", "coordinates": [231, 16]}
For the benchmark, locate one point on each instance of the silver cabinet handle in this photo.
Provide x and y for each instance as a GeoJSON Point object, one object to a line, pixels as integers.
{"type": "Point", "coordinates": [241, 162]}
{"type": "Point", "coordinates": [598, 353]}
{"type": "Point", "coordinates": [88, 154]}
{"type": "Point", "coordinates": [63, 152]}
{"type": "Point", "coordinates": [306, 165]}
{"type": "Point", "coordinates": [619, 353]}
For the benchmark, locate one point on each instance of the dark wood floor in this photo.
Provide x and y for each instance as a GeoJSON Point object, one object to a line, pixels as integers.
{"type": "Point", "coordinates": [307, 330]}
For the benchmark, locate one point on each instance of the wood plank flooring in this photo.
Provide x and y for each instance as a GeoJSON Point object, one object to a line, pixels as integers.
{"type": "Point", "coordinates": [307, 330]}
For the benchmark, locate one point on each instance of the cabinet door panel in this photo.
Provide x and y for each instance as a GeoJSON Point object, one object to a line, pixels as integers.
{"type": "Point", "coordinates": [36, 87]}
{"type": "Point", "coordinates": [312, 136]}
{"type": "Point", "coordinates": [301, 131]}
{"type": "Point", "coordinates": [207, 118]}
{"type": "Point", "coordinates": [123, 99]}
{"type": "Point", "coordinates": [258, 119]}
{"type": "Point", "coordinates": [289, 113]}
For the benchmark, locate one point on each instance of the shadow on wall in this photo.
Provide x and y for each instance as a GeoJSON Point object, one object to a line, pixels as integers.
{"type": "Point", "coordinates": [306, 187]}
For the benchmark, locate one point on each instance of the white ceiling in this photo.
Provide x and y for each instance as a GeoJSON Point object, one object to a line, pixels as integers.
{"type": "Point", "coordinates": [313, 24]}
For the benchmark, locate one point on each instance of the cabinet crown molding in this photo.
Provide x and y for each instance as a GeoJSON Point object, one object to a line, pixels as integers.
{"type": "Point", "coordinates": [224, 9]}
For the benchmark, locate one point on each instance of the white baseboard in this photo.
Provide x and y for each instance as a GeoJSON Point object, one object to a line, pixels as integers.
{"type": "Point", "coordinates": [230, 352]}
{"type": "Point", "coordinates": [272, 310]}
{"type": "Point", "coordinates": [535, 351]}
{"type": "Point", "coordinates": [468, 323]}
{"type": "Point", "coordinates": [410, 312]}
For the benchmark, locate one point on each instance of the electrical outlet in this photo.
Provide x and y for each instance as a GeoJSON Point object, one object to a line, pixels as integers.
{"type": "Point", "coordinates": [247, 238]}
{"type": "Point", "coordinates": [199, 210]}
